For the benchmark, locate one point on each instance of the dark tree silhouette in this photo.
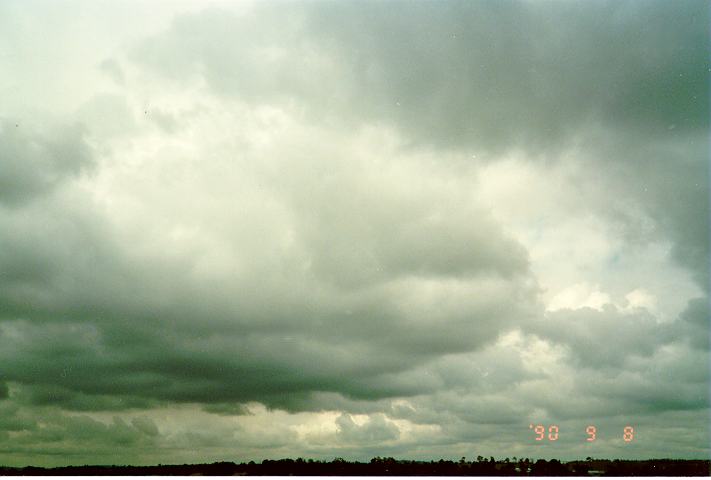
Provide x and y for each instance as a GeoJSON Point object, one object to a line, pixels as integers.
{"type": "Point", "coordinates": [391, 466]}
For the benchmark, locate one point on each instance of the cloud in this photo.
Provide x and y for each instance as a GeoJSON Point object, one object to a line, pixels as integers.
{"type": "Point", "coordinates": [145, 425]}
{"type": "Point", "coordinates": [341, 307]}
{"type": "Point", "coordinates": [695, 323]}
{"type": "Point", "coordinates": [348, 229]}
{"type": "Point", "coordinates": [547, 90]}
{"type": "Point", "coordinates": [376, 429]}
{"type": "Point", "coordinates": [416, 67]}
{"type": "Point", "coordinates": [35, 159]}
{"type": "Point", "coordinates": [604, 337]}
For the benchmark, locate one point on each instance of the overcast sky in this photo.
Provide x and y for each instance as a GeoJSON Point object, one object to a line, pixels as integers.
{"type": "Point", "coordinates": [236, 231]}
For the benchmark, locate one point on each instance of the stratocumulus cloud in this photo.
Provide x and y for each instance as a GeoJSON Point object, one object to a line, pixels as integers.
{"type": "Point", "coordinates": [241, 231]}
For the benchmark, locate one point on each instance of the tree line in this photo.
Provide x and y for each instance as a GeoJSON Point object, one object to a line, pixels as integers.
{"type": "Point", "coordinates": [386, 466]}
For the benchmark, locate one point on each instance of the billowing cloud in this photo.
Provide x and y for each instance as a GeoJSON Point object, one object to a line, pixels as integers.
{"type": "Point", "coordinates": [347, 229]}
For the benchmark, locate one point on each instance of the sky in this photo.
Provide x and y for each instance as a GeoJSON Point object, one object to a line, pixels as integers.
{"type": "Point", "coordinates": [248, 230]}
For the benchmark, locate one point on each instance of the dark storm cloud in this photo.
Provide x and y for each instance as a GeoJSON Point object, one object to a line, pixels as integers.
{"type": "Point", "coordinates": [496, 74]}
{"type": "Point", "coordinates": [72, 400]}
{"type": "Point", "coordinates": [91, 342]}
{"type": "Point", "coordinates": [482, 74]}
{"type": "Point", "coordinates": [46, 432]}
{"type": "Point", "coordinates": [337, 259]}
{"type": "Point", "coordinates": [226, 409]}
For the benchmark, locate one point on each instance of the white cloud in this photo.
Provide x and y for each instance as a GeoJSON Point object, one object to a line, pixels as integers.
{"type": "Point", "coordinates": [579, 295]}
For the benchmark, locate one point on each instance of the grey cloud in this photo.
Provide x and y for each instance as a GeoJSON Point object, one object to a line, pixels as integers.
{"type": "Point", "coordinates": [610, 339]}
{"type": "Point", "coordinates": [34, 159]}
{"type": "Point", "coordinates": [319, 265]}
{"type": "Point", "coordinates": [83, 428]}
{"type": "Point", "coordinates": [129, 329]}
{"type": "Point", "coordinates": [226, 409]}
{"type": "Point", "coordinates": [604, 338]}
{"type": "Point", "coordinates": [665, 177]}
{"type": "Point", "coordinates": [47, 433]}
{"type": "Point", "coordinates": [666, 382]}
{"type": "Point", "coordinates": [457, 74]}
{"type": "Point", "coordinates": [13, 419]}
{"type": "Point", "coordinates": [71, 399]}
{"type": "Point", "coordinates": [145, 425]}
{"type": "Point", "coordinates": [475, 408]}
{"type": "Point", "coordinates": [695, 323]}
{"type": "Point", "coordinates": [113, 69]}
